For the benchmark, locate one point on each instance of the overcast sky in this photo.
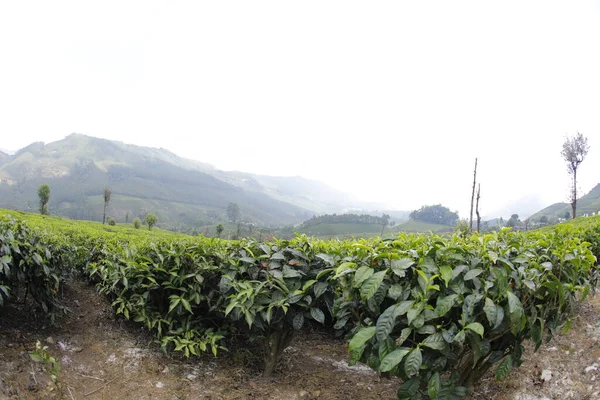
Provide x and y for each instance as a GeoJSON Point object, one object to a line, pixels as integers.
{"type": "Point", "coordinates": [389, 100]}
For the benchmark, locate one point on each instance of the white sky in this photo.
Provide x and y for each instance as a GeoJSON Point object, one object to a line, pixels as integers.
{"type": "Point", "coordinates": [389, 100]}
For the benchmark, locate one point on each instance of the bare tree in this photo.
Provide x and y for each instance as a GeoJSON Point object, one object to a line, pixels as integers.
{"type": "Point", "coordinates": [477, 207]}
{"type": "Point", "coordinates": [473, 197]}
{"type": "Point", "coordinates": [573, 152]}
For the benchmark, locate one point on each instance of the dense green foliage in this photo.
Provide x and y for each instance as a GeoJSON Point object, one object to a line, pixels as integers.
{"type": "Point", "coordinates": [363, 219]}
{"type": "Point", "coordinates": [150, 220]}
{"type": "Point", "coordinates": [44, 196]}
{"type": "Point", "coordinates": [436, 311]}
{"type": "Point", "coordinates": [437, 214]}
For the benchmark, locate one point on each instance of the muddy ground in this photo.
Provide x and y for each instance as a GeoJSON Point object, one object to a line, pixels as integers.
{"type": "Point", "coordinates": [104, 357]}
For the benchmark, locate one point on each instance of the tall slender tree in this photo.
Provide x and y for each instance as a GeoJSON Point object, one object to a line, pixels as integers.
{"type": "Point", "coordinates": [574, 150]}
{"type": "Point", "coordinates": [220, 230]}
{"type": "Point", "coordinates": [44, 195]}
{"type": "Point", "coordinates": [477, 206]}
{"type": "Point", "coordinates": [473, 197]}
{"type": "Point", "coordinates": [233, 212]}
{"type": "Point", "coordinates": [107, 196]}
{"type": "Point", "coordinates": [385, 220]}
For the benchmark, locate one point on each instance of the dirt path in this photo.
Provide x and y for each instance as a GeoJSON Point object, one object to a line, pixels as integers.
{"type": "Point", "coordinates": [107, 358]}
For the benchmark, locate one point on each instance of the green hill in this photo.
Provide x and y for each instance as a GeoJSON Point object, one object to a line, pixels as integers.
{"type": "Point", "coordinates": [337, 229]}
{"type": "Point", "coordinates": [369, 230]}
{"type": "Point", "coordinates": [184, 194]}
{"type": "Point", "coordinates": [421, 227]}
{"type": "Point", "coordinates": [588, 204]}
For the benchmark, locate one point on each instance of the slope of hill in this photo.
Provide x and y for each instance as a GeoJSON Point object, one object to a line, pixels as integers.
{"type": "Point", "coordinates": [590, 203]}
{"type": "Point", "coordinates": [337, 229]}
{"type": "Point", "coordinates": [302, 192]}
{"type": "Point", "coordinates": [414, 226]}
{"type": "Point", "coordinates": [3, 157]}
{"type": "Point", "coordinates": [183, 193]}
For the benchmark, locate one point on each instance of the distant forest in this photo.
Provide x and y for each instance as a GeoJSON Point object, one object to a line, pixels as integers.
{"type": "Point", "coordinates": [345, 219]}
{"type": "Point", "coordinates": [437, 214]}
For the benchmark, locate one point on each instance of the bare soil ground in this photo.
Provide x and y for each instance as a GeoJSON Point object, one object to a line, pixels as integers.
{"type": "Point", "coordinates": [566, 368]}
{"type": "Point", "coordinates": [104, 357]}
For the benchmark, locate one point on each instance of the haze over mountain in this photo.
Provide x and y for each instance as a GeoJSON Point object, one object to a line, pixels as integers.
{"type": "Point", "coordinates": [183, 193]}
{"type": "Point", "coordinates": [587, 204]}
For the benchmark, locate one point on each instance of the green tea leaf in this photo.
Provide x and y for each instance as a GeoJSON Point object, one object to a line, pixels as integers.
{"type": "Point", "coordinates": [361, 337]}
{"type": "Point", "coordinates": [444, 304]}
{"type": "Point", "coordinates": [446, 273]}
{"type": "Point", "coordinates": [317, 315]}
{"type": "Point", "coordinates": [385, 322]}
{"type": "Point", "coordinates": [319, 288]}
{"type": "Point", "coordinates": [298, 321]}
{"type": "Point", "coordinates": [490, 311]}
{"type": "Point", "coordinates": [393, 359]}
{"type": "Point", "coordinates": [476, 327]}
{"type": "Point", "coordinates": [472, 274]}
{"type": "Point", "coordinates": [413, 362]}
{"type": "Point", "coordinates": [515, 309]}
{"type": "Point", "coordinates": [362, 274]}
{"type": "Point", "coordinates": [435, 341]}
{"type": "Point", "coordinates": [369, 288]}
{"type": "Point", "coordinates": [434, 385]}
{"type": "Point", "coordinates": [403, 263]}
{"type": "Point", "coordinates": [504, 367]}
{"type": "Point", "coordinates": [404, 334]}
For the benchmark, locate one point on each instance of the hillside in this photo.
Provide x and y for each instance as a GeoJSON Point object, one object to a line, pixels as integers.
{"type": "Point", "coordinates": [185, 194]}
{"type": "Point", "coordinates": [340, 229]}
{"type": "Point", "coordinates": [421, 227]}
{"type": "Point", "coordinates": [590, 203]}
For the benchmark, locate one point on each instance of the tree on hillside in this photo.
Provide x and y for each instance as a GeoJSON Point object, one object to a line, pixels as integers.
{"type": "Point", "coordinates": [573, 152]}
{"type": "Point", "coordinates": [107, 196]}
{"type": "Point", "coordinates": [385, 220]}
{"type": "Point", "coordinates": [151, 220]}
{"type": "Point", "coordinates": [233, 212]}
{"type": "Point", "coordinates": [345, 219]}
{"type": "Point", "coordinates": [220, 230]}
{"type": "Point", "coordinates": [513, 221]}
{"type": "Point", "coordinates": [44, 195]}
{"type": "Point", "coordinates": [136, 223]}
{"type": "Point", "coordinates": [437, 214]}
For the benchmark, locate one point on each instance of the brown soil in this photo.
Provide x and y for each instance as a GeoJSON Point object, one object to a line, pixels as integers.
{"type": "Point", "coordinates": [566, 368]}
{"type": "Point", "coordinates": [104, 357]}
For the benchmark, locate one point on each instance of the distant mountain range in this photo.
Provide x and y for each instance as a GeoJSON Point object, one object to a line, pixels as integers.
{"type": "Point", "coordinates": [588, 204]}
{"type": "Point", "coordinates": [183, 193]}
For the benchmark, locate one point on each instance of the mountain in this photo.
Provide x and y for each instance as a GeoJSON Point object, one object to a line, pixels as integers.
{"type": "Point", "coordinates": [185, 194]}
{"type": "Point", "coordinates": [590, 203]}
